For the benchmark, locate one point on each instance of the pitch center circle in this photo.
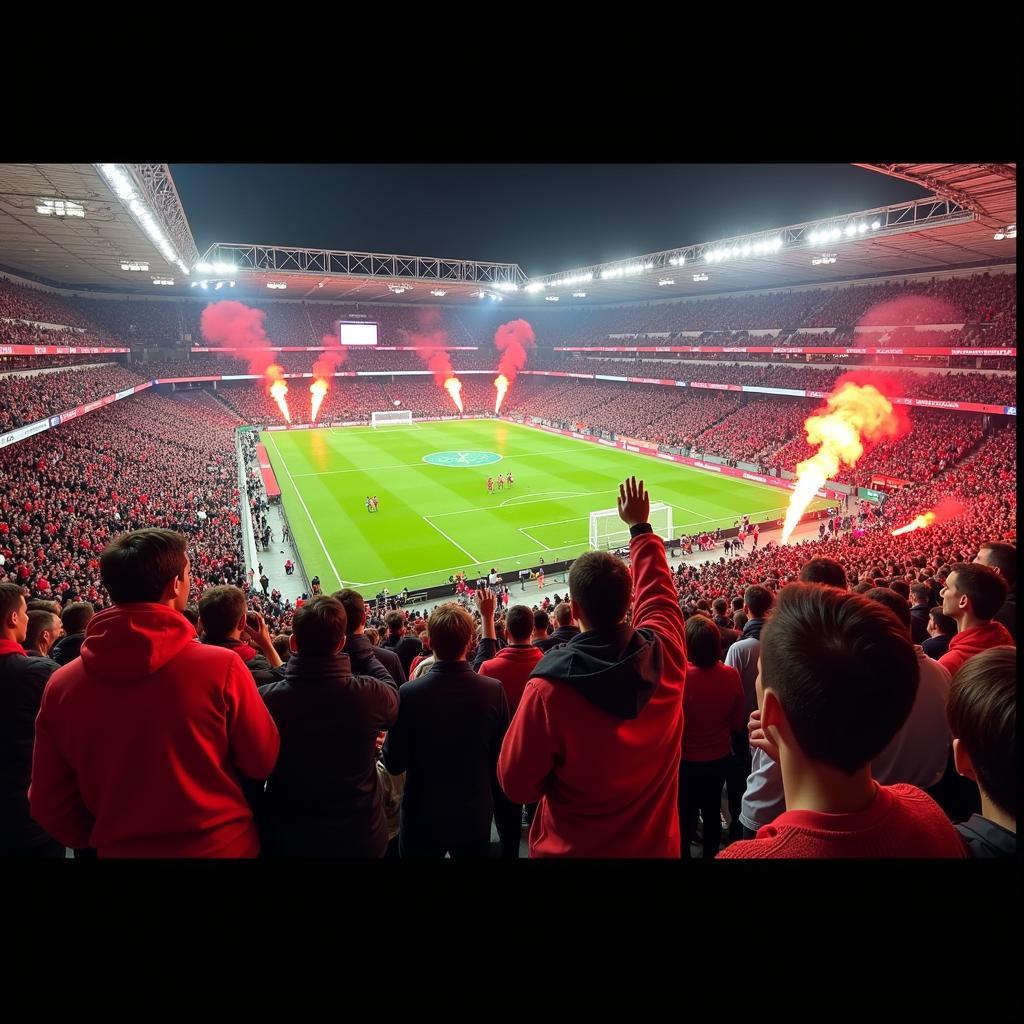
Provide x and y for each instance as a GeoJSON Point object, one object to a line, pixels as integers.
{"type": "Point", "coordinates": [464, 459]}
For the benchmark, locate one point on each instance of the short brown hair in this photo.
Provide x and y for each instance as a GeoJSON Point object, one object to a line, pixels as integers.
{"type": "Point", "coordinates": [563, 613]}
{"type": "Point", "coordinates": [76, 616]}
{"type": "Point", "coordinates": [824, 570]}
{"type": "Point", "coordinates": [319, 626]}
{"type": "Point", "coordinates": [844, 670]}
{"type": "Point", "coordinates": [220, 611]}
{"type": "Point", "coordinates": [138, 566]}
{"type": "Point", "coordinates": [519, 622]}
{"type": "Point", "coordinates": [601, 584]}
{"type": "Point", "coordinates": [38, 620]}
{"type": "Point", "coordinates": [451, 629]}
{"type": "Point", "coordinates": [11, 596]}
{"type": "Point", "coordinates": [395, 621]}
{"type": "Point", "coordinates": [982, 713]}
{"type": "Point", "coordinates": [703, 641]}
{"type": "Point", "coordinates": [355, 607]}
{"type": "Point", "coordinates": [984, 587]}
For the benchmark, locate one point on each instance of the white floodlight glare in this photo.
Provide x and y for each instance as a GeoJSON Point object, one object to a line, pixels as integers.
{"type": "Point", "coordinates": [677, 261]}
{"type": "Point", "coordinates": [875, 225]}
{"type": "Point", "coordinates": [861, 228]}
{"type": "Point", "coordinates": [204, 285]}
{"type": "Point", "coordinates": [125, 190]}
{"type": "Point", "coordinates": [134, 265]}
{"type": "Point", "coordinates": [163, 280]}
{"type": "Point", "coordinates": [276, 285]}
{"type": "Point", "coordinates": [535, 286]}
{"type": "Point", "coordinates": [60, 208]}
{"type": "Point", "coordinates": [700, 277]}
{"type": "Point", "coordinates": [849, 230]}
{"type": "Point", "coordinates": [1011, 231]}
{"type": "Point", "coordinates": [664, 281]}
{"type": "Point", "coordinates": [550, 298]}
{"type": "Point", "coordinates": [999, 235]}
{"type": "Point", "coordinates": [439, 292]}
{"type": "Point", "coordinates": [579, 295]}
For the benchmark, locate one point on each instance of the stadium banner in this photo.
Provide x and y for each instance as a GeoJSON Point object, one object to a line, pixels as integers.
{"type": "Point", "coordinates": [1009, 410]}
{"type": "Point", "coordinates": [833, 350]}
{"type": "Point", "coordinates": [935, 403]}
{"type": "Point", "coordinates": [321, 348]}
{"type": "Point", "coordinates": [267, 472]}
{"type": "Point", "coordinates": [645, 448]}
{"type": "Point", "coordinates": [60, 350]}
{"type": "Point", "coordinates": [12, 436]}
{"type": "Point", "coordinates": [792, 392]}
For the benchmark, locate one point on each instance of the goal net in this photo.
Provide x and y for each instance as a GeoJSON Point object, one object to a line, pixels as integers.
{"type": "Point", "coordinates": [390, 418]}
{"type": "Point", "coordinates": [608, 531]}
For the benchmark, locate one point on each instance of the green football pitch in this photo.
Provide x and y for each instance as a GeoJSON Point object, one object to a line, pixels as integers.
{"type": "Point", "coordinates": [436, 516]}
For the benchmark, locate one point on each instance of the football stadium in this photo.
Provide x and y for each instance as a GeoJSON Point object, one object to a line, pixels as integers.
{"type": "Point", "coordinates": [696, 542]}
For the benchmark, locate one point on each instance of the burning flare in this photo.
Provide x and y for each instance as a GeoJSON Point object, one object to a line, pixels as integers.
{"type": "Point", "coordinates": [917, 523]}
{"type": "Point", "coordinates": [278, 389]}
{"type": "Point", "coordinates": [454, 388]}
{"type": "Point", "coordinates": [318, 389]}
{"type": "Point", "coordinates": [853, 414]}
{"type": "Point", "coordinates": [501, 383]}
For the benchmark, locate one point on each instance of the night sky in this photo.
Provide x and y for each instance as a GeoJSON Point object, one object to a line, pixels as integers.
{"type": "Point", "coordinates": [545, 217]}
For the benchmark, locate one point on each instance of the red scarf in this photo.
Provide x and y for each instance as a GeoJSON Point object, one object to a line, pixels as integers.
{"type": "Point", "coordinates": [10, 647]}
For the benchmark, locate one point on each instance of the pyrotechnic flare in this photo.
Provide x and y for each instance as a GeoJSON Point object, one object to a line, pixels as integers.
{"type": "Point", "coordinates": [278, 389]}
{"type": "Point", "coordinates": [852, 414]}
{"type": "Point", "coordinates": [454, 388]}
{"type": "Point", "coordinates": [917, 523]}
{"type": "Point", "coordinates": [319, 391]}
{"type": "Point", "coordinates": [501, 383]}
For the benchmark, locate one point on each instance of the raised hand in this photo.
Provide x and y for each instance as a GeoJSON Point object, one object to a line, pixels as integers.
{"type": "Point", "coordinates": [634, 502]}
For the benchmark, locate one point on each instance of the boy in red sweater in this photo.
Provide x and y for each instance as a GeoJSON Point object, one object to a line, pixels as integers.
{"type": "Point", "coordinates": [972, 596]}
{"type": "Point", "coordinates": [142, 743]}
{"type": "Point", "coordinates": [838, 676]}
{"type": "Point", "coordinates": [597, 736]}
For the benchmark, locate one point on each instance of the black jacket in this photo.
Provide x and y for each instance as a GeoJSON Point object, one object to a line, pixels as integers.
{"type": "Point", "coordinates": [406, 647]}
{"type": "Point", "coordinates": [985, 839]}
{"type": "Point", "coordinates": [936, 646]}
{"type": "Point", "coordinates": [1007, 615]}
{"type": "Point", "coordinates": [255, 662]}
{"type": "Point", "coordinates": [22, 680]}
{"type": "Point", "coordinates": [447, 739]}
{"type": "Point", "coordinates": [919, 623]}
{"type": "Point", "coordinates": [323, 797]}
{"type": "Point", "coordinates": [67, 648]}
{"type": "Point", "coordinates": [559, 636]}
{"type": "Point", "coordinates": [364, 655]}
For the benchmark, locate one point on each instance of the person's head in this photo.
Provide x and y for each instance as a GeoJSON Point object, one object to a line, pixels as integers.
{"type": "Point", "coordinates": [282, 645]}
{"type": "Point", "coordinates": [1002, 557]}
{"type": "Point", "coordinates": [40, 604]}
{"type": "Point", "coordinates": [372, 635]}
{"type": "Point", "coordinates": [864, 586]}
{"type": "Point", "coordinates": [355, 609]}
{"type": "Point", "coordinates": [222, 613]}
{"type": "Point", "coordinates": [720, 606]}
{"type": "Point", "coordinates": [13, 613]}
{"type": "Point", "coordinates": [737, 604]}
{"type": "Point", "coordinates": [601, 589]}
{"type": "Point", "coordinates": [756, 601]}
{"type": "Point", "coordinates": [973, 593]}
{"type": "Point", "coordinates": [395, 623]}
{"type": "Point", "coordinates": [541, 623]}
{"type": "Point", "coordinates": [824, 570]}
{"type": "Point", "coordinates": [739, 620]}
{"type": "Point", "coordinates": [703, 641]}
{"type": "Point", "coordinates": [44, 630]}
{"type": "Point", "coordinates": [939, 624]}
{"type": "Point", "coordinates": [76, 616]}
{"type": "Point", "coordinates": [563, 614]}
{"type": "Point", "coordinates": [148, 565]}
{"type": "Point", "coordinates": [451, 630]}
{"type": "Point", "coordinates": [896, 604]}
{"type": "Point", "coordinates": [901, 587]}
{"type": "Point", "coordinates": [982, 714]}
{"type": "Point", "coordinates": [837, 676]}
{"type": "Point", "coordinates": [318, 627]}
{"type": "Point", "coordinates": [921, 594]}
{"type": "Point", "coordinates": [519, 623]}
{"type": "Point", "coordinates": [191, 612]}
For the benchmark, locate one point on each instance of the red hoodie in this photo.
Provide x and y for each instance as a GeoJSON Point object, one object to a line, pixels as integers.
{"type": "Point", "coordinates": [140, 742]}
{"type": "Point", "coordinates": [512, 667]}
{"type": "Point", "coordinates": [967, 644]}
{"type": "Point", "coordinates": [607, 783]}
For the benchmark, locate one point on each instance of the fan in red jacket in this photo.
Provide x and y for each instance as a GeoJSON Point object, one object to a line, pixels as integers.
{"type": "Point", "coordinates": [143, 741]}
{"type": "Point", "coordinates": [597, 735]}
{"type": "Point", "coordinates": [837, 680]}
{"type": "Point", "coordinates": [972, 596]}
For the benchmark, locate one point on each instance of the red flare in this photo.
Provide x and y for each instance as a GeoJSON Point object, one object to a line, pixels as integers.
{"type": "Point", "coordinates": [318, 389]}
{"type": "Point", "coordinates": [501, 386]}
{"type": "Point", "coordinates": [454, 388]}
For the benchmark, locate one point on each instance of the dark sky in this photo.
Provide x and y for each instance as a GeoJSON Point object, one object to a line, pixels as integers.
{"type": "Point", "coordinates": [545, 217]}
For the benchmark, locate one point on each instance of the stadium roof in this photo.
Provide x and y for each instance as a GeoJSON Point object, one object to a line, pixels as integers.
{"type": "Point", "coordinates": [952, 229]}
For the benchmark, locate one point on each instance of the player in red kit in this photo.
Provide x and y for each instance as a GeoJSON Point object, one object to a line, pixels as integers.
{"type": "Point", "coordinates": [490, 485]}
{"type": "Point", "coordinates": [501, 481]}
{"type": "Point", "coordinates": [509, 480]}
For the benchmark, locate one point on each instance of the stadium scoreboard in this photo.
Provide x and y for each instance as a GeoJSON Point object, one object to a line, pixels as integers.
{"type": "Point", "coordinates": [357, 332]}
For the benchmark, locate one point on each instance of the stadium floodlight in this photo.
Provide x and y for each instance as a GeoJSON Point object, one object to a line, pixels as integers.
{"type": "Point", "coordinates": [579, 295]}
{"type": "Point", "coordinates": [535, 286]}
{"type": "Point", "coordinates": [60, 208]}
{"type": "Point", "coordinates": [134, 265]}
{"type": "Point", "coordinates": [203, 268]}
{"type": "Point", "coordinates": [204, 285]}
{"type": "Point", "coordinates": [121, 182]}
{"type": "Point", "coordinates": [398, 289]}
{"type": "Point", "coordinates": [550, 298]}
{"type": "Point", "coordinates": [861, 228]}
{"type": "Point", "coordinates": [439, 292]}
{"type": "Point", "coordinates": [1011, 231]}
{"type": "Point", "coordinates": [700, 277]}
{"type": "Point", "coordinates": [163, 280]}
{"type": "Point", "coordinates": [275, 285]}
{"type": "Point", "coordinates": [665, 281]}
{"type": "Point", "coordinates": [875, 225]}
{"type": "Point", "coordinates": [850, 230]}
{"type": "Point", "coordinates": [999, 235]}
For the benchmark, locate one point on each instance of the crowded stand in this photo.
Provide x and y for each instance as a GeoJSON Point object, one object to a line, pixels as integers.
{"type": "Point", "coordinates": [754, 430]}
{"type": "Point", "coordinates": [24, 399]}
{"type": "Point", "coordinates": [21, 302]}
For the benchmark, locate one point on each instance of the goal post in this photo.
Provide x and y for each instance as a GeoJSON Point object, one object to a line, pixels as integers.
{"type": "Point", "coordinates": [390, 418]}
{"type": "Point", "coordinates": [608, 531]}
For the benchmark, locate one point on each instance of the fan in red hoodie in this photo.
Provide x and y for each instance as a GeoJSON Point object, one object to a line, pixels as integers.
{"type": "Point", "coordinates": [142, 742]}
{"type": "Point", "coordinates": [597, 735]}
{"type": "Point", "coordinates": [837, 680]}
{"type": "Point", "coordinates": [972, 596]}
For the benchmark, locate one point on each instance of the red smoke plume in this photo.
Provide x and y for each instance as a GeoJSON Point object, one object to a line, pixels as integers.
{"type": "Point", "coordinates": [427, 342]}
{"type": "Point", "coordinates": [947, 509]}
{"type": "Point", "coordinates": [515, 341]}
{"type": "Point", "coordinates": [333, 355]}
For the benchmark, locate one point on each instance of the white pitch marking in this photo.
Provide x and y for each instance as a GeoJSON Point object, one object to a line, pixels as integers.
{"type": "Point", "coordinates": [469, 554]}
{"type": "Point", "coordinates": [534, 539]}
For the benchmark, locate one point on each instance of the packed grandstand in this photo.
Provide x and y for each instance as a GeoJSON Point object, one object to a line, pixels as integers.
{"type": "Point", "coordinates": [151, 429]}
